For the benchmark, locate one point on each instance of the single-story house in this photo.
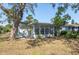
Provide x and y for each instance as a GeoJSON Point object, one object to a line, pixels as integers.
{"type": "Point", "coordinates": [72, 27]}
{"type": "Point", "coordinates": [38, 29]}
{"type": "Point", "coordinates": [44, 29]}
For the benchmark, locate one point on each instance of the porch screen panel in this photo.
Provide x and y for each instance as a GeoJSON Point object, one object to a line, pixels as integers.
{"type": "Point", "coordinates": [36, 30]}
{"type": "Point", "coordinates": [42, 30]}
{"type": "Point", "coordinates": [47, 31]}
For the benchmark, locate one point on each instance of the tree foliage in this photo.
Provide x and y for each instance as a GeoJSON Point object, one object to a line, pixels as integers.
{"type": "Point", "coordinates": [30, 20]}
{"type": "Point", "coordinates": [61, 17]}
{"type": "Point", "coordinates": [58, 21]}
{"type": "Point", "coordinates": [5, 29]}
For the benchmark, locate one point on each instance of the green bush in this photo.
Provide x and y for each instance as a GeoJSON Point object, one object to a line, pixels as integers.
{"type": "Point", "coordinates": [77, 36]}
{"type": "Point", "coordinates": [1, 29]}
{"type": "Point", "coordinates": [4, 29]}
{"type": "Point", "coordinates": [68, 35]}
{"type": "Point", "coordinates": [40, 36]}
{"type": "Point", "coordinates": [71, 34]}
{"type": "Point", "coordinates": [63, 33]}
{"type": "Point", "coordinates": [77, 32]}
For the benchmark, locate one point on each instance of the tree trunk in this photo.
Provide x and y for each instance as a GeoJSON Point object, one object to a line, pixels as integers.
{"type": "Point", "coordinates": [56, 29]}
{"type": "Point", "coordinates": [13, 33]}
{"type": "Point", "coordinates": [14, 30]}
{"type": "Point", "coordinates": [55, 33]}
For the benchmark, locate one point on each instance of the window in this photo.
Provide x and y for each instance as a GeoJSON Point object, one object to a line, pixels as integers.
{"type": "Point", "coordinates": [46, 31]}
{"type": "Point", "coordinates": [42, 30]}
{"type": "Point", "coordinates": [37, 31]}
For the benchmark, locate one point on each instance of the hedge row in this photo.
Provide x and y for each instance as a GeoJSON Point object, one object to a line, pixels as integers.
{"type": "Point", "coordinates": [70, 34]}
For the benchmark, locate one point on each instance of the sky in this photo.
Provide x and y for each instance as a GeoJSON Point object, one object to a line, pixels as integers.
{"type": "Point", "coordinates": [44, 12]}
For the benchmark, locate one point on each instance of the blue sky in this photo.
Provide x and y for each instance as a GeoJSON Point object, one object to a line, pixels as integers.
{"type": "Point", "coordinates": [44, 12]}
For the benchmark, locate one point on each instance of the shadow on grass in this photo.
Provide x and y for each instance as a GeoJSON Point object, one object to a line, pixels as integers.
{"type": "Point", "coordinates": [33, 43]}
{"type": "Point", "coordinates": [38, 42]}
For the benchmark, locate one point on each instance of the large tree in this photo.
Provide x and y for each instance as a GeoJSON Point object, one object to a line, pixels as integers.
{"type": "Point", "coordinates": [61, 17]}
{"type": "Point", "coordinates": [15, 14]}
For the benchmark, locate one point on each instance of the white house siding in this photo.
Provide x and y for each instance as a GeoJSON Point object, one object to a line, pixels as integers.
{"type": "Point", "coordinates": [23, 32]}
{"type": "Point", "coordinates": [69, 28]}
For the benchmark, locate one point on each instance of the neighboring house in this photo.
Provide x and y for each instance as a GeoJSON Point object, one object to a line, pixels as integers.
{"type": "Point", "coordinates": [72, 27]}
{"type": "Point", "coordinates": [44, 29]}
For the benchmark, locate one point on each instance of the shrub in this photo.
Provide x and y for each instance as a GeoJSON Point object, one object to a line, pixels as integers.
{"type": "Point", "coordinates": [77, 32]}
{"type": "Point", "coordinates": [63, 33]}
{"type": "Point", "coordinates": [78, 36]}
{"type": "Point", "coordinates": [71, 34]}
{"type": "Point", "coordinates": [1, 29]}
{"type": "Point", "coordinates": [40, 36]}
{"type": "Point", "coordinates": [4, 29]}
{"type": "Point", "coordinates": [68, 35]}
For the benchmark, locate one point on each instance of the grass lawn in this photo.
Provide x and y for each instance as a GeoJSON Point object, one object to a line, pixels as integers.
{"type": "Point", "coordinates": [54, 47]}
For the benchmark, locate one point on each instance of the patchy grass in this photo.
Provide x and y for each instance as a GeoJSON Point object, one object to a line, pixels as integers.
{"type": "Point", "coordinates": [48, 47]}
{"type": "Point", "coordinates": [74, 44]}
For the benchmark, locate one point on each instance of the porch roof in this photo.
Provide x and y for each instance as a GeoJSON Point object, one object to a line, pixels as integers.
{"type": "Point", "coordinates": [49, 24]}
{"type": "Point", "coordinates": [72, 25]}
{"type": "Point", "coordinates": [24, 25]}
